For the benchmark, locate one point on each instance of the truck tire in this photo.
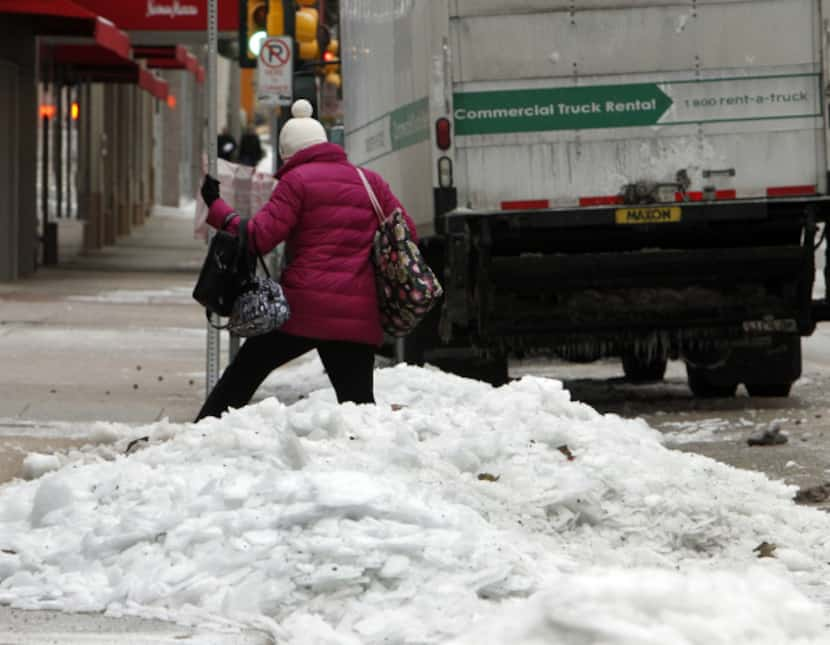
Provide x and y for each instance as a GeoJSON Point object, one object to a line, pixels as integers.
{"type": "Point", "coordinates": [781, 362]}
{"type": "Point", "coordinates": [640, 370]}
{"type": "Point", "coordinates": [768, 389]}
{"type": "Point", "coordinates": [703, 386]}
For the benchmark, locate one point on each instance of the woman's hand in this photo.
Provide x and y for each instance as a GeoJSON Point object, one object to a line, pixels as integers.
{"type": "Point", "coordinates": [210, 190]}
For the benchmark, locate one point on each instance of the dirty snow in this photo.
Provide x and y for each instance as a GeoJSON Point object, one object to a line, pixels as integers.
{"type": "Point", "coordinates": [461, 513]}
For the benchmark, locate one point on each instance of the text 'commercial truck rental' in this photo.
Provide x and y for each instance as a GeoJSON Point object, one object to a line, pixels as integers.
{"type": "Point", "coordinates": [644, 180]}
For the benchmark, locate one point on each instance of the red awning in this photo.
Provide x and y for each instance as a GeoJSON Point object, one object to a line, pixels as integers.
{"type": "Point", "coordinates": [192, 63]}
{"type": "Point", "coordinates": [82, 41]}
{"type": "Point", "coordinates": [194, 66]}
{"type": "Point", "coordinates": [96, 64]}
{"type": "Point", "coordinates": [65, 18]}
{"type": "Point", "coordinates": [64, 8]}
{"type": "Point", "coordinates": [162, 56]}
{"type": "Point", "coordinates": [152, 83]}
{"type": "Point", "coordinates": [95, 48]}
{"type": "Point", "coordinates": [170, 57]}
{"type": "Point", "coordinates": [158, 87]}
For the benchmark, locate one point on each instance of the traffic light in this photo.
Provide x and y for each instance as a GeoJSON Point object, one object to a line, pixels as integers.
{"type": "Point", "coordinates": [297, 18]}
{"type": "Point", "coordinates": [276, 17]}
{"type": "Point", "coordinates": [331, 69]}
{"type": "Point", "coordinates": [306, 30]}
{"type": "Point", "coordinates": [253, 28]}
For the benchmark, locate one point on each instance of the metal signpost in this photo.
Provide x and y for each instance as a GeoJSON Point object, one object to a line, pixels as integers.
{"type": "Point", "coordinates": [275, 83]}
{"type": "Point", "coordinates": [212, 367]}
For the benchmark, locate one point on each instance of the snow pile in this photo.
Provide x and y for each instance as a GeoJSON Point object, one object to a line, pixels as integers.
{"type": "Point", "coordinates": [460, 512]}
{"type": "Point", "coordinates": [667, 608]}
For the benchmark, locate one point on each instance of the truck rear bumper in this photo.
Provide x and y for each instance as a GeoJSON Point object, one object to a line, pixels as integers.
{"type": "Point", "coordinates": [723, 269]}
{"type": "Point", "coordinates": [669, 289]}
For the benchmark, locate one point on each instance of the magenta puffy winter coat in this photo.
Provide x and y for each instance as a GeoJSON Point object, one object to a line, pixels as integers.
{"type": "Point", "coordinates": [321, 210]}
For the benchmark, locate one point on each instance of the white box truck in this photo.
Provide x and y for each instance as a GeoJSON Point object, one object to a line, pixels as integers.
{"type": "Point", "coordinates": [643, 179]}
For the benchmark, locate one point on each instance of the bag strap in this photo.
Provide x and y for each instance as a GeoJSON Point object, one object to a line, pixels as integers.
{"type": "Point", "coordinates": [245, 252]}
{"type": "Point", "coordinates": [372, 198]}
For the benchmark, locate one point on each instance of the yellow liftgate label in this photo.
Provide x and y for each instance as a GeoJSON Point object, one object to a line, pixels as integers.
{"type": "Point", "coordinates": [648, 215]}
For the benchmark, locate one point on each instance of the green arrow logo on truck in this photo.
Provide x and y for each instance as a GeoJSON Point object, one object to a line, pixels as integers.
{"type": "Point", "coordinates": [571, 108]}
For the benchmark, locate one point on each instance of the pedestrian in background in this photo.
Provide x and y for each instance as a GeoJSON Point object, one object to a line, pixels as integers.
{"type": "Point", "coordinates": [321, 209]}
{"type": "Point", "coordinates": [226, 145]}
{"type": "Point", "coordinates": [250, 148]}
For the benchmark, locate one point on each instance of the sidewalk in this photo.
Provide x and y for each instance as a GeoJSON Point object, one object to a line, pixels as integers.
{"type": "Point", "coordinates": [113, 336]}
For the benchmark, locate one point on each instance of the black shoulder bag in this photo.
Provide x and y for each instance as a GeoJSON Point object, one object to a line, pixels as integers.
{"type": "Point", "coordinates": [224, 272]}
{"type": "Point", "coordinates": [228, 286]}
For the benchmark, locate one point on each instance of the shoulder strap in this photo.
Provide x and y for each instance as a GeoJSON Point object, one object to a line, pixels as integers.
{"type": "Point", "coordinates": [372, 198]}
{"type": "Point", "coordinates": [245, 251]}
{"type": "Point", "coordinates": [243, 262]}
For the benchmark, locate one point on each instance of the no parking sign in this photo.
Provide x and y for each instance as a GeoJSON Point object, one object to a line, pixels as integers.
{"type": "Point", "coordinates": [275, 70]}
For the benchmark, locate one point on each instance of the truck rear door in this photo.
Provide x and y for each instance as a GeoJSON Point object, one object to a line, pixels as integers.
{"type": "Point", "coordinates": [558, 103]}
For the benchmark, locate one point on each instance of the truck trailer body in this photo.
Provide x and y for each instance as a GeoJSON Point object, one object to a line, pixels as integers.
{"type": "Point", "coordinates": [644, 179]}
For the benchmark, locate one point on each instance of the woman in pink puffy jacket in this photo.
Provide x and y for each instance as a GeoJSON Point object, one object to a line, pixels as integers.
{"type": "Point", "coordinates": [321, 210]}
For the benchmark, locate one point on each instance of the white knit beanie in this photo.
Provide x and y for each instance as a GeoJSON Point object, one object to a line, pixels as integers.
{"type": "Point", "coordinates": [302, 131]}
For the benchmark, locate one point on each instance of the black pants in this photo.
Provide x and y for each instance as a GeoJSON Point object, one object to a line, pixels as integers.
{"type": "Point", "coordinates": [349, 366]}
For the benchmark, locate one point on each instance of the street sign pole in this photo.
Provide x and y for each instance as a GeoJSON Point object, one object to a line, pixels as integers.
{"type": "Point", "coordinates": [275, 84]}
{"type": "Point", "coordinates": [212, 363]}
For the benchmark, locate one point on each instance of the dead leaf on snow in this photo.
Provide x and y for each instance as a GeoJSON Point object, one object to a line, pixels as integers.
{"type": "Point", "coordinates": [566, 451]}
{"type": "Point", "coordinates": [766, 550]}
{"type": "Point", "coordinates": [487, 477]}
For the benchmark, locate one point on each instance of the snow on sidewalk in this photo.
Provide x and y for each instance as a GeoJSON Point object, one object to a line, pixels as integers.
{"type": "Point", "coordinates": [462, 513]}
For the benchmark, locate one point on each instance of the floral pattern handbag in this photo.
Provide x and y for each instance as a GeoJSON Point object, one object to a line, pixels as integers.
{"type": "Point", "coordinates": [406, 286]}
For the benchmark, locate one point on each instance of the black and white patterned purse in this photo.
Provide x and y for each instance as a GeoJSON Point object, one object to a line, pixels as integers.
{"type": "Point", "coordinates": [261, 306]}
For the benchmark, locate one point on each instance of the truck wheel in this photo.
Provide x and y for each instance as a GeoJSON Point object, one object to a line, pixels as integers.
{"type": "Point", "coordinates": [702, 386]}
{"type": "Point", "coordinates": [768, 389]}
{"type": "Point", "coordinates": [640, 370]}
{"type": "Point", "coordinates": [781, 362]}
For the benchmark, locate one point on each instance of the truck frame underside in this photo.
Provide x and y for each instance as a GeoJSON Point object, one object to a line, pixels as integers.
{"type": "Point", "coordinates": [577, 281]}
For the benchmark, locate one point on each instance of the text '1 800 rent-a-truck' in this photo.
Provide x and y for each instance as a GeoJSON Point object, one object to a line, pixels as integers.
{"type": "Point", "coordinates": [604, 178]}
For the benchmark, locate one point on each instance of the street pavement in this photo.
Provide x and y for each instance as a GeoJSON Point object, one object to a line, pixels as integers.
{"type": "Point", "coordinates": [111, 335]}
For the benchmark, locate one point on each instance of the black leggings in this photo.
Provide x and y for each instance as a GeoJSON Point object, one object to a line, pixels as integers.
{"type": "Point", "coordinates": [349, 367]}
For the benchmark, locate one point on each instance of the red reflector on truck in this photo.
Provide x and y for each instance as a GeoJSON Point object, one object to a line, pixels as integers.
{"type": "Point", "coordinates": [698, 196]}
{"type": "Point", "coordinates": [442, 134]}
{"type": "Point", "coordinates": [600, 200]}
{"type": "Point", "coordinates": [525, 204]}
{"type": "Point", "coordinates": [790, 191]}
